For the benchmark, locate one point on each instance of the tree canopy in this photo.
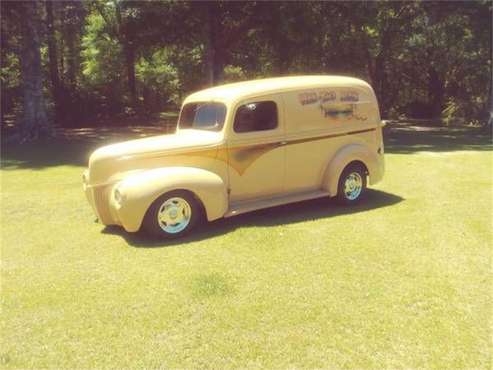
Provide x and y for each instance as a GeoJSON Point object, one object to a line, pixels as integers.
{"type": "Point", "coordinates": [69, 63]}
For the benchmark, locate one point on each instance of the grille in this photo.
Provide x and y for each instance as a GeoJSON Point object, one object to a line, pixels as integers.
{"type": "Point", "coordinates": [101, 201]}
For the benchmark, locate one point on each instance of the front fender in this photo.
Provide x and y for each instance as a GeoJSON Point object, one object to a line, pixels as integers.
{"type": "Point", "coordinates": [141, 189]}
{"type": "Point", "coordinates": [346, 155]}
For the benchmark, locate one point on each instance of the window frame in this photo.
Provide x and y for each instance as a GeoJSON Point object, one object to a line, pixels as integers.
{"type": "Point", "coordinates": [254, 132]}
{"type": "Point", "coordinates": [219, 129]}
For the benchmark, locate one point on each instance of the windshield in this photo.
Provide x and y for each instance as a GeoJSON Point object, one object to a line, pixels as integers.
{"type": "Point", "coordinates": [203, 116]}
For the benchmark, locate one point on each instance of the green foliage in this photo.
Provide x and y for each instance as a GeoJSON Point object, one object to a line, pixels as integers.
{"type": "Point", "coordinates": [418, 56]}
{"type": "Point", "coordinates": [234, 74]}
{"type": "Point", "coordinates": [102, 54]}
{"type": "Point", "coordinates": [10, 71]}
{"type": "Point", "coordinates": [190, 70]}
{"type": "Point", "coordinates": [158, 74]}
{"type": "Point", "coordinates": [10, 81]}
{"type": "Point", "coordinates": [444, 37]}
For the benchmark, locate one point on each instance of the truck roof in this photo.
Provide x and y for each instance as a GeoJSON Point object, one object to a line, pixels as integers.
{"type": "Point", "coordinates": [246, 89]}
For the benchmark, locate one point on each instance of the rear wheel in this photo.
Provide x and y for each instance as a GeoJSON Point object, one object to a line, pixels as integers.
{"type": "Point", "coordinates": [172, 215]}
{"type": "Point", "coordinates": [352, 184]}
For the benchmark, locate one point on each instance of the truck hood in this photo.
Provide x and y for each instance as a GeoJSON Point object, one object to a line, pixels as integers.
{"type": "Point", "coordinates": [126, 156]}
{"type": "Point", "coordinates": [181, 141]}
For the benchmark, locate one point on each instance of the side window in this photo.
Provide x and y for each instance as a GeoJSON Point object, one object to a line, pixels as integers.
{"type": "Point", "coordinates": [257, 116]}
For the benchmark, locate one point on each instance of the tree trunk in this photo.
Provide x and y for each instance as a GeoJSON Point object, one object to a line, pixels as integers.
{"type": "Point", "coordinates": [130, 62]}
{"type": "Point", "coordinates": [71, 58]}
{"type": "Point", "coordinates": [35, 123]}
{"type": "Point", "coordinates": [436, 90]}
{"type": "Point", "coordinates": [62, 61]}
{"type": "Point", "coordinates": [147, 95]}
{"type": "Point", "coordinates": [212, 10]}
{"type": "Point", "coordinates": [209, 49]}
{"type": "Point", "coordinates": [489, 120]}
{"type": "Point", "coordinates": [219, 64]}
{"type": "Point", "coordinates": [279, 40]}
{"type": "Point", "coordinates": [490, 117]}
{"type": "Point", "coordinates": [379, 71]}
{"type": "Point", "coordinates": [376, 72]}
{"type": "Point", "coordinates": [52, 57]}
{"type": "Point", "coordinates": [73, 13]}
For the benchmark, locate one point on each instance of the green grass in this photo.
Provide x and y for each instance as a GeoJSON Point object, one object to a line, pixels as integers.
{"type": "Point", "coordinates": [401, 281]}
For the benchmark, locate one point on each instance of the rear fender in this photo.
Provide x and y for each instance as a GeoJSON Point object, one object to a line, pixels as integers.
{"type": "Point", "coordinates": [344, 156]}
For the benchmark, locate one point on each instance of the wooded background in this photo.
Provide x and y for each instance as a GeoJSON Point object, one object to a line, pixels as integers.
{"type": "Point", "coordinates": [71, 64]}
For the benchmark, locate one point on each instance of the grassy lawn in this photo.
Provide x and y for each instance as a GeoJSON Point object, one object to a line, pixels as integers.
{"type": "Point", "coordinates": [402, 281]}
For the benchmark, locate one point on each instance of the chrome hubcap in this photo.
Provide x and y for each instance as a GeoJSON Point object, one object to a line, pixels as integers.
{"type": "Point", "coordinates": [353, 186]}
{"type": "Point", "coordinates": [174, 215]}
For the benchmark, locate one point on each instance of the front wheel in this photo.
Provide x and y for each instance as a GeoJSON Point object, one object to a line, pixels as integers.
{"type": "Point", "coordinates": [352, 184]}
{"type": "Point", "coordinates": [172, 215]}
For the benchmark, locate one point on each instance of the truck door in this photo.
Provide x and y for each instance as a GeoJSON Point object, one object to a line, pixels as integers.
{"type": "Point", "coordinates": [256, 153]}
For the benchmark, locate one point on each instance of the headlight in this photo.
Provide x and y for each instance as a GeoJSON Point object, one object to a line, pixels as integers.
{"type": "Point", "coordinates": [119, 197]}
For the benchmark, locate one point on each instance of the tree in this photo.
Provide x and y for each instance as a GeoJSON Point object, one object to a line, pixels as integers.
{"type": "Point", "coordinates": [120, 21]}
{"type": "Point", "coordinates": [9, 61]}
{"type": "Point", "coordinates": [35, 122]}
{"type": "Point", "coordinates": [72, 17]}
{"type": "Point", "coordinates": [52, 57]}
{"type": "Point", "coordinates": [424, 59]}
{"type": "Point", "coordinates": [446, 53]}
{"type": "Point", "coordinates": [381, 30]}
{"type": "Point", "coordinates": [226, 23]}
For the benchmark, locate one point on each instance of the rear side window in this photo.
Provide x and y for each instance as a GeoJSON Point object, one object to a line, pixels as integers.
{"type": "Point", "coordinates": [257, 116]}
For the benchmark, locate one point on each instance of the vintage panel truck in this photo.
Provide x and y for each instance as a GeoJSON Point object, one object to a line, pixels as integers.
{"type": "Point", "coordinates": [242, 147]}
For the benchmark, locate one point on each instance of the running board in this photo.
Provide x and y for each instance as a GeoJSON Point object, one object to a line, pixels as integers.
{"type": "Point", "coordinates": [245, 206]}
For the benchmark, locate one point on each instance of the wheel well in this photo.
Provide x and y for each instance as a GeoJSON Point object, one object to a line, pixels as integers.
{"type": "Point", "coordinates": [360, 163]}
